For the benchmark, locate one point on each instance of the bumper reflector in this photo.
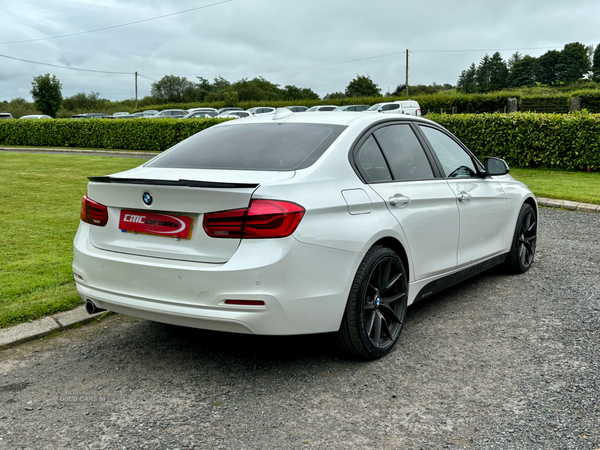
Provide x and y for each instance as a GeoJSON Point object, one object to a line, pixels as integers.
{"type": "Point", "coordinates": [245, 302]}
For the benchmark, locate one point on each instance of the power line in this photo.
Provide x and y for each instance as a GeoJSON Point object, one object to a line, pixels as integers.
{"type": "Point", "coordinates": [64, 67]}
{"type": "Point", "coordinates": [484, 50]}
{"type": "Point", "coordinates": [116, 26]}
{"type": "Point", "coordinates": [144, 76]}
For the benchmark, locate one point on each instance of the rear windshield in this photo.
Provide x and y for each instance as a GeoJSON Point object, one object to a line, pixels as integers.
{"type": "Point", "coordinates": [271, 147]}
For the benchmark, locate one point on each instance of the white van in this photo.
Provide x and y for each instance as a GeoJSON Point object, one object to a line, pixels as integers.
{"type": "Point", "coordinates": [410, 107]}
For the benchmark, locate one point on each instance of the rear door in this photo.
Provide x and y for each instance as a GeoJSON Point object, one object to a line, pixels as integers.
{"type": "Point", "coordinates": [394, 163]}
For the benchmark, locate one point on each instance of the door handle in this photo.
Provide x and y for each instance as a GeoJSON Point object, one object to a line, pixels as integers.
{"type": "Point", "coordinates": [399, 200]}
{"type": "Point", "coordinates": [463, 197]}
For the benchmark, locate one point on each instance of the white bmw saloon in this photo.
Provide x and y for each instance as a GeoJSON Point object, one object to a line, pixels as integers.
{"type": "Point", "coordinates": [293, 224]}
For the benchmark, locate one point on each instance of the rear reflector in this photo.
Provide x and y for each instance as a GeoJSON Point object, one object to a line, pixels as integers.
{"type": "Point", "coordinates": [245, 302]}
{"type": "Point", "coordinates": [264, 219]}
{"type": "Point", "coordinates": [93, 212]}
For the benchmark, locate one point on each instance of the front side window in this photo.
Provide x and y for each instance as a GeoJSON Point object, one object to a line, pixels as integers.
{"type": "Point", "coordinates": [390, 107]}
{"type": "Point", "coordinates": [404, 153]}
{"type": "Point", "coordinates": [456, 162]}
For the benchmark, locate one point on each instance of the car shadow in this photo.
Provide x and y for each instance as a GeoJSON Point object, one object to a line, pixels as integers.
{"type": "Point", "coordinates": [206, 345]}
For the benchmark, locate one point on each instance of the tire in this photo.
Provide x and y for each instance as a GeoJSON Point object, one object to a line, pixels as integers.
{"type": "Point", "coordinates": [524, 240]}
{"type": "Point", "coordinates": [376, 306]}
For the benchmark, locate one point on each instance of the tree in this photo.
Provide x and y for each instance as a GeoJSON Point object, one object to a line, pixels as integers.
{"type": "Point", "coordinates": [83, 101]}
{"type": "Point", "coordinates": [514, 58]}
{"type": "Point", "coordinates": [548, 72]}
{"type": "Point", "coordinates": [291, 92]}
{"type": "Point", "coordinates": [498, 72]}
{"type": "Point", "coordinates": [46, 93]}
{"type": "Point", "coordinates": [523, 72]}
{"type": "Point", "coordinates": [334, 96]}
{"type": "Point", "coordinates": [203, 88]}
{"type": "Point", "coordinates": [483, 74]}
{"type": "Point", "coordinates": [573, 63]}
{"type": "Point", "coordinates": [362, 86]}
{"type": "Point", "coordinates": [230, 98]}
{"type": "Point", "coordinates": [220, 84]}
{"type": "Point", "coordinates": [172, 88]}
{"type": "Point", "coordinates": [596, 64]}
{"type": "Point", "coordinates": [466, 82]}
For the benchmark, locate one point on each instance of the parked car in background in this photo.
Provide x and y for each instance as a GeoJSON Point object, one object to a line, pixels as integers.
{"type": "Point", "coordinates": [206, 110]}
{"type": "Point", "coordinates": [119, 114]}
{"type": "Point", "coordinates": [90, 116]}
{"type": "Point", "coordinates": [228, 108]}
{"type": "Point", "coordinates": [352, 108]}
{"type": "Point", "coordinates": [6, 116]}
{"type": "Point", "coordinates": [169, 113]}
{"type": "Point", "coordinates": [36, 116]}
{"type": "Point", "coordinates": [199, 115]}
{"type": "Point", "coordinates": [301, 223]}
{"type": "Point", "coordinates": [259, 110]}
{"type": "Point", "coordinates": [147, 113]}
{"type": "Point", "coordinates": [235, 114]}
{"type": "Point", "coordinates": [297, 109]}
{"type": "Point", "coordinates": [410, 107]}
{"type": "Point", "coordinates": [321, 108]}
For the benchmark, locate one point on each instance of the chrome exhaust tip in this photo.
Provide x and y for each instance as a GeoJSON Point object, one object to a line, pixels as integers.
{"type": "Point", "coordinates": [91, 308]}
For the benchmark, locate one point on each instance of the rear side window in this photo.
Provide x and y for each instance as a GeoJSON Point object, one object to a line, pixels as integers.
{"type": "Point", "coordinates": [271, 147]}
{"type": "Point", "coordinates": [371, 162]}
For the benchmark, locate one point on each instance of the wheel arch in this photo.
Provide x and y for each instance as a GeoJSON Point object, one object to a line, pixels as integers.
{"type": "Point", "coordinates": [531, 202]}
{"type": "Point", "coordinates": [397, 247]}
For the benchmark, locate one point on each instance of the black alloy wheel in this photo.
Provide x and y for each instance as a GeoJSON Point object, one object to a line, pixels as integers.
{"type": "Point", "coordinates": [376, 306]}
{"type": "Point", "coordinates": [524, 241]}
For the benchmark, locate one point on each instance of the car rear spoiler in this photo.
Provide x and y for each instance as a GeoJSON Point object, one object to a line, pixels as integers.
{"type": "Point", "coordinates": [188, 183]}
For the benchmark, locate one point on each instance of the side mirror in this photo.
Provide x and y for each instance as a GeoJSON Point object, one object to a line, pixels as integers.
{"type": "Point", "coordinates": [495, 166]}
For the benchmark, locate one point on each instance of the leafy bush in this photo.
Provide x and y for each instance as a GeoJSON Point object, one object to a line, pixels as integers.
{"type": "Point", "coordinates": [125, 134]}
{"type": "Point", "coordinates": [569, 141]}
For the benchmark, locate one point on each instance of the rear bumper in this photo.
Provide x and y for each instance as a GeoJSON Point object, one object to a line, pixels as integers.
{"type": "Point", "coordinates": [304, 287]}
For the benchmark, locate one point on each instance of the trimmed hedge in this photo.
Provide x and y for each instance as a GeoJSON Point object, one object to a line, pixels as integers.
{"type": "Point", "coordinates": [523, 139]}
{"type": "Point", "coordinates": [123, 134]}
{"type": "Point", "coordinates": [590, 99]}
{"type": "Point", "coordinates": [569, 142]}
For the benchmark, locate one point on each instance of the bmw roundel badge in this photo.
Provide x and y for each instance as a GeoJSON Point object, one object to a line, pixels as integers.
{"type": "Point", "coordinates": [147, 198]}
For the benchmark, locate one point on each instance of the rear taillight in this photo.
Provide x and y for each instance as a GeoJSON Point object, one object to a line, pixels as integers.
{"type": "Point", "coordinates": [93, 212]}
{"type": "Point", "coordinates": [264, 219]}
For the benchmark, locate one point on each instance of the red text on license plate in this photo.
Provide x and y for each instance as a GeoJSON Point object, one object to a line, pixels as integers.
{"type": "Point", "coordinates": [156, 223]}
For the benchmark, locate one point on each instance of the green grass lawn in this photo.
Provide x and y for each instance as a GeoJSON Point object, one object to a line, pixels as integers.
{"type": "Point", "coordinates": [40, 198]}
{"type": "Point", "coordinates": [40, 201]}
{"type": "Point", "coordinates": [575, 186]}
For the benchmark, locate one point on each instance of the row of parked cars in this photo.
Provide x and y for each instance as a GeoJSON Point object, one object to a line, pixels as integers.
{"type": "Point", "coordinates": [410, 107]}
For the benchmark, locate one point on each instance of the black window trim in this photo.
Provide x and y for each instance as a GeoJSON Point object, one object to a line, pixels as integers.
{"type": "Point", "coordinates": [438, 174]}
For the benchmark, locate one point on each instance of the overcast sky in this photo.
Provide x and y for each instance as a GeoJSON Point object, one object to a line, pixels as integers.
{"type": "Point", "coordinates": [320, 44]}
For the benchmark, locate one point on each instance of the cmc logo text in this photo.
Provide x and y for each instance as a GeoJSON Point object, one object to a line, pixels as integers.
{"type": "Point", "coordinates": [134, 218]}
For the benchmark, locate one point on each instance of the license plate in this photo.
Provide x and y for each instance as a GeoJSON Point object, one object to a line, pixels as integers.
{"type": "Point", "coordinates": [156, 224]}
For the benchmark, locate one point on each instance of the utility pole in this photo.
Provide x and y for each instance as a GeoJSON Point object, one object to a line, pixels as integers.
{"type": "Point", "coordinates": [406, 73]}
{"type": "Point", "coordinates": [136, 90]}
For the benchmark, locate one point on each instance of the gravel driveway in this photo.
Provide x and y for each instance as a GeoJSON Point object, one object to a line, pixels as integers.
{"type": "Point", "coordinates": [498, 362]}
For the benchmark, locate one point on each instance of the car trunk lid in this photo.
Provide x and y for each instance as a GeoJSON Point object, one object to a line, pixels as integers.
{"type": "Point", "coordinates": [159, 212]}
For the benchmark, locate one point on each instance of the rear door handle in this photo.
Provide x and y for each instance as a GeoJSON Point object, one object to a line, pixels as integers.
{"type": "Point", "coordinates": [399, 200]}
{"type": "Point", "coordinates": [463, 197]}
